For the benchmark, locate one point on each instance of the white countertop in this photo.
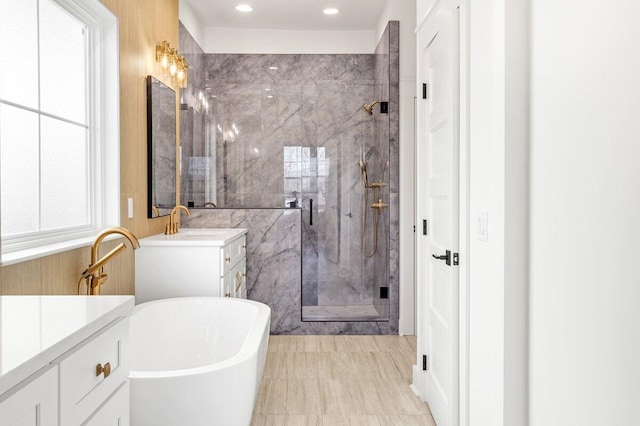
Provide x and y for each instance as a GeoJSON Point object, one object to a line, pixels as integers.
{"type": "Point", "coordinates": [195, 237]}
{"type": "Point", "coordinates": [35, 330]}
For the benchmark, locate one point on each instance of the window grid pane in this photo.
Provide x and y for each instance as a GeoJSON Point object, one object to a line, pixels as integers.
{"type": "Point", "coordinates": [19, 35]}
{"type": "Point", "coordinates": [63, 85]}
{"type": "Point", "coordinates": [46, 162]}
{"type": "Point", "coordinates": [19, 165]}
{"type": "Point", "coordinates": [65, 190]}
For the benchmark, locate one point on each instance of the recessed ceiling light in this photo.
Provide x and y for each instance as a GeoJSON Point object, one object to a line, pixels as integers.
{"type": "Point", "coordinates": [244, 8]}
{"type": "Point", "coordinates": [331, 11]}
{"type": "Point", "coordinates": [267, 89]}
{"type": "Point", "coordinates": [273, 68]}
{"type": "Point", "coordinates": [270, 96]}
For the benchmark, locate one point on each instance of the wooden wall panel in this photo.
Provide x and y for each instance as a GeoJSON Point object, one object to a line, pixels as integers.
{"type": "Point", "coordinates": [143, 23]}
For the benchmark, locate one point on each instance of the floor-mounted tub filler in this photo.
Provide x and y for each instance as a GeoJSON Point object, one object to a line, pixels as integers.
{"type": "Point", "coordinates": [197, 360]}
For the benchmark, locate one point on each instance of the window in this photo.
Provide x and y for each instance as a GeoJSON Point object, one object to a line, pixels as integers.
{"type": "Point", "coordinates": [59, 132]}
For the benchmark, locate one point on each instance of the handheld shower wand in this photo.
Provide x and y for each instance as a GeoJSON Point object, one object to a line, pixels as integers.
{"type": "Point", "coordinates": [363, 168]}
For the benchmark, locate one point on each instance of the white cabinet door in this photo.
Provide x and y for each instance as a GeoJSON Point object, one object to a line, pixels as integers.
{"type": "Point", "coordinates": [234, 281]}
{"type": "Point", "coordinates": [34, 404]}
{"type": "Point", "coordinates": [116, 410]}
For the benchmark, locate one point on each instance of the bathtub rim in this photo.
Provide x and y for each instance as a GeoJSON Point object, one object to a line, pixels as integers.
{"type": "Point", "coordinates": [249, 348]}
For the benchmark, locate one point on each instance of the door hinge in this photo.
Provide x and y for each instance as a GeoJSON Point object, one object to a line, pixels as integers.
{"type": "Point", "coordinates": [425, 227]}
{"type": "Point", "coordinates": [425, 91]}
{"type": "Point", "coordinates": [425, 362]}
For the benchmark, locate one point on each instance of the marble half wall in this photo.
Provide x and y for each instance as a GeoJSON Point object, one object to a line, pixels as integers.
{"type": "Point", "coordinates": [274, 266]}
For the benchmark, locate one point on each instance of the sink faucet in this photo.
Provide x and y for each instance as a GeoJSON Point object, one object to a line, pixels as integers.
{"type": "Point", "coordinates": [172, 227]}
{"type": "Point", "coordinates": [94, 275]}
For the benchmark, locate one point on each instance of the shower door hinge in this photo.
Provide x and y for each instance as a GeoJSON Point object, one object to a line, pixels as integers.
{"type": "Point", "coordinates": [425, 91]}
{"type": "Point", "coordinates": [384, 292]}
{"type": "Point", "coordinates": [425, 226]}
{"type": "Point", "coordinates": [425, 362]}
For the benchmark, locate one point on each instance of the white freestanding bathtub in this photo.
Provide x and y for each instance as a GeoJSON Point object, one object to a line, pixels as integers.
{"type": "Point", "coordinates": [197, 361]}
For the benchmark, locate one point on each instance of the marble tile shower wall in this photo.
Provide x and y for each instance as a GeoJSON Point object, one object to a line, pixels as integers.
{"type": "Point", "coordinates": [284, 137]}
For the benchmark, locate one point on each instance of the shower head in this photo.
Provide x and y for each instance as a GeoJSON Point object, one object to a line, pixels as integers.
{"type": "Point", "coordinates": [369, 107]}
{"type": "Point", "coordinates": [363, 168]}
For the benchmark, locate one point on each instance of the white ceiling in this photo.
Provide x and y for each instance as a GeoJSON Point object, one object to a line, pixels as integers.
{"type": "Point", "coordinates": [355, 15]}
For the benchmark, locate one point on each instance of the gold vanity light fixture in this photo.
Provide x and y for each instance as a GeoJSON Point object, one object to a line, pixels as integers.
{"type": "Point", "coordinates": [94, 276]}
{"type": "Point", "coordinates": [172, 227]}
{"type": "Point", "coordinates": [172, 63]}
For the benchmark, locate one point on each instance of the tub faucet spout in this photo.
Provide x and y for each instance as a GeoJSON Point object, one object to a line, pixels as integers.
{"type": "Point", "coordinates": [94, 275]}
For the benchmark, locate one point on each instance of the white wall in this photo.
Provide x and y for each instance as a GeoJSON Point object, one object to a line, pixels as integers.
{"type": "Point", "coordinates": [585, 199]}
{"type": "Point", "coordinates": [191, 22]}
{"type": "Point", "coordinates": [486, 299]}
{"type": "Point", "coordinates": [498, 284]}
{"type": "Point", "coordinates": [248, 40]}
{"type": "Point", "coordinates": [495, 372]}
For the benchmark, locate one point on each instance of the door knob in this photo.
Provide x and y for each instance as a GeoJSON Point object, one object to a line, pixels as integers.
{"type": "Point", "coordinates": [450, 258]}
{"type": "Point", "coordinates": [446, 257]}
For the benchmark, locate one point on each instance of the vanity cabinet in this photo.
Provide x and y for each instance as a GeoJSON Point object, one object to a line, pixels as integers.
{"type": "Point", "coordinates": [34, 404]}
{"type": "Point", "coordinates": [193, 263]}
{"type": "Point", "coordinates": [73, 390]}
{"type": "Point", "coordinates": [70, 366]}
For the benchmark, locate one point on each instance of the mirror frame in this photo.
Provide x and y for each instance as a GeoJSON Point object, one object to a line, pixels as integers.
{"type": "Point", "coordinates": [154, 139]}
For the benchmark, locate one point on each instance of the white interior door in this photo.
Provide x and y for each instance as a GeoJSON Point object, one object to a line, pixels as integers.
{"type": "Point", "coordinates": [438, 142]}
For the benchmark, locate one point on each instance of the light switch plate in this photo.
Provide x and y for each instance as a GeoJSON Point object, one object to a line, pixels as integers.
{"type": "Point", "coordinates": [130, 205]}
{"type": "Point", "coordinates": [482, 226]}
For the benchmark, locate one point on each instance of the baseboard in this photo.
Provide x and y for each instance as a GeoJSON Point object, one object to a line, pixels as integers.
{"type": "Point", "coordinates": [418, 382]}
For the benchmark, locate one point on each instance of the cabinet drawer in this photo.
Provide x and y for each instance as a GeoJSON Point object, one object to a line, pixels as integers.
{"type": "Point", "coordinates": [232, 253]}
{"type": "Point", "coordinates": [82, 387]}
{"type": "Point", "coordinates": [115, 412]}
{"type": "Point", "coordinates": [234, 282]}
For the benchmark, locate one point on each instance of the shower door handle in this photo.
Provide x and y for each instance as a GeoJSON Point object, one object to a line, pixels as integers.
{"type": "Point", "coordinates": [311, 212]}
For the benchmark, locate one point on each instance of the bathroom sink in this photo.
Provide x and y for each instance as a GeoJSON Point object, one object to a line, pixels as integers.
{"type": "Point", "coordinates": [199, 236]}
{"type": "Point", "coordinates": [213, 232]}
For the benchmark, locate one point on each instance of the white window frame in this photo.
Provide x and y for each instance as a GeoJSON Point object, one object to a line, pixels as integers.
{"type": "Point", "coordinates": [103, 115]}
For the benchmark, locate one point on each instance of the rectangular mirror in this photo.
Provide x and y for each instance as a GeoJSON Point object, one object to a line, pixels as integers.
{"type": "Point", "coordinates": [161, 148]}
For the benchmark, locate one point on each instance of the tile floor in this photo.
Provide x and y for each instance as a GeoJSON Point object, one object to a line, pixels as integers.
{"type": "Point", "coordinates": [341, 381]}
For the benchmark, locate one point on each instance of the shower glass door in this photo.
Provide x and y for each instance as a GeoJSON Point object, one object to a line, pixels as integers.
{"type": "Point", "coordinates": [345, 242]}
